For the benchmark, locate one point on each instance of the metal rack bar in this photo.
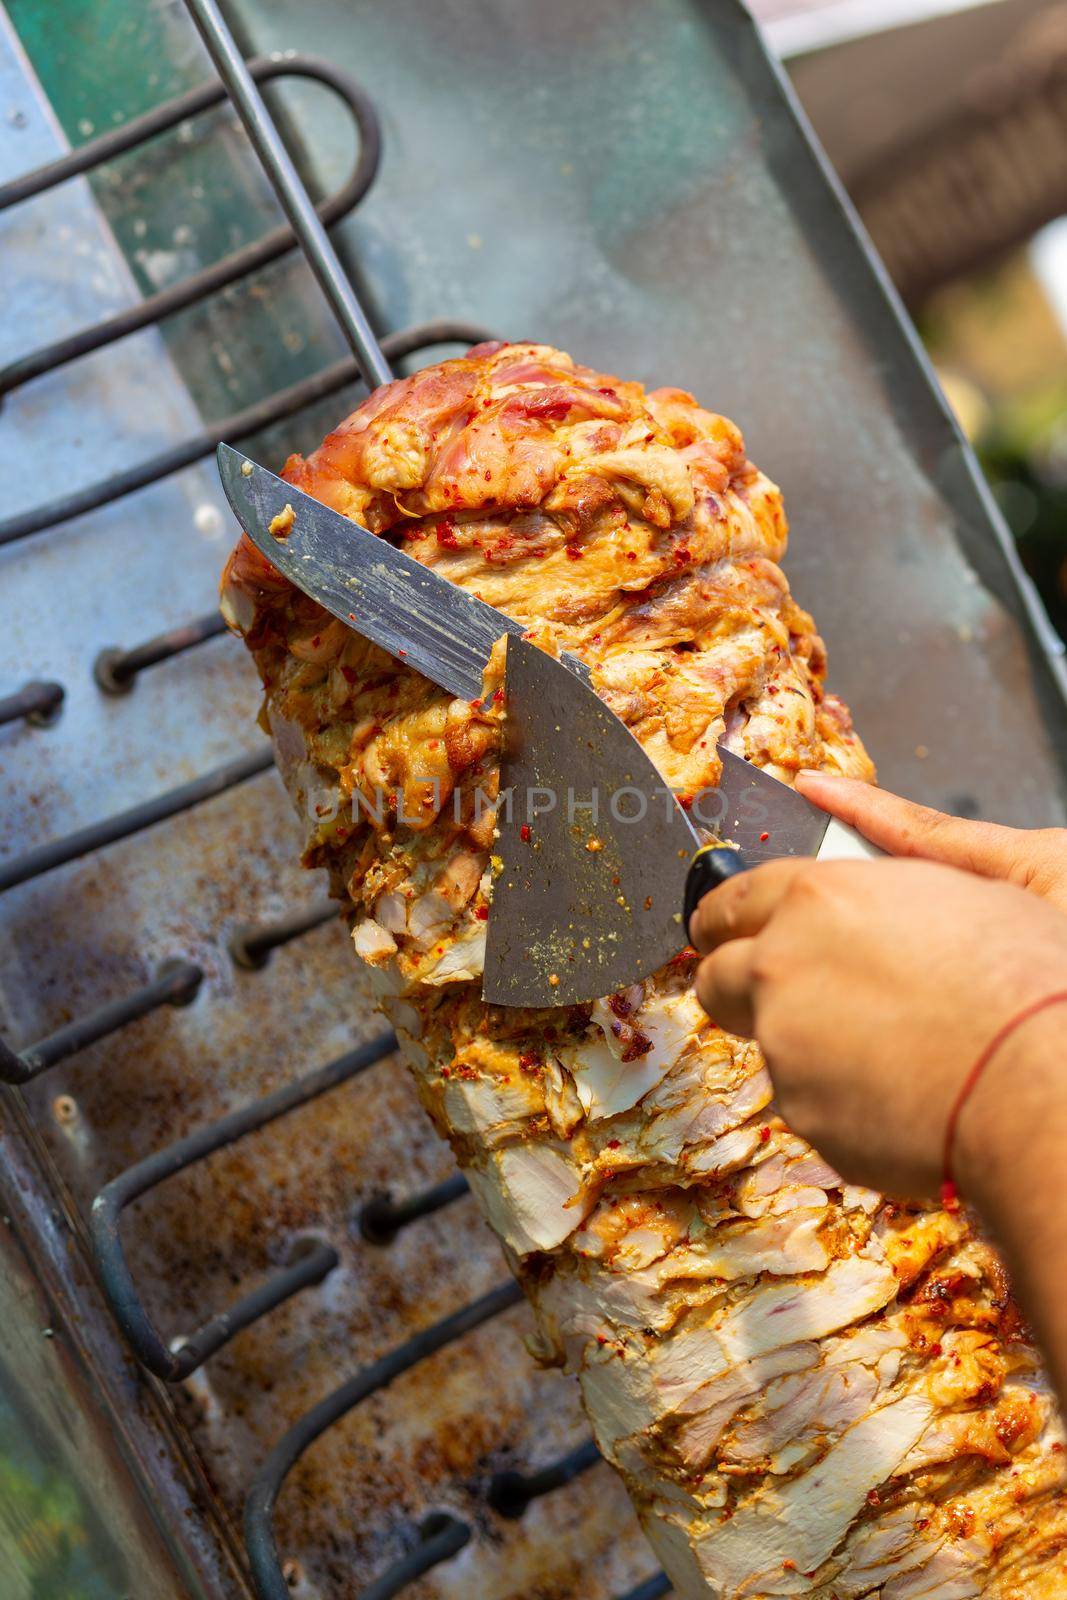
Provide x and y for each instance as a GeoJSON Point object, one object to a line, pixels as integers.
{"type": "Point", "coordinates": [652, 1589]}
{"type": "Point", "coordinates": [511, 1492]}
{"type": "Point", "coordinates": [176, 984]}
{"type": "Point", "coordinates": [38, 702]}
{"type": "Point", "coordinates": [148, 1344]}
{"type": "Point", "coordinates": [237, 426]}
{"type": "Point", "coordinates": [252, 945]}
{"type": "Point", "coordinates": [288, 186]}
{"type": "Point", "coordinates": [382, 1218]}
{"type": "Point", "coordinates": [259, 1508]}
{"type": "Point", "coordinates": [441, 1536]}
{"type": "Point", "coordinates": [239, 263]}
{"type": "Point", "coordinates": [20, 869]}
{"type": "Point", "coordinates": [115, 670]}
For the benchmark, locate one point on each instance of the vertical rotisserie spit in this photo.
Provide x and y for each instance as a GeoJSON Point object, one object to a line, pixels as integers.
{"type": "Point", "coordinates": [808, 1391]}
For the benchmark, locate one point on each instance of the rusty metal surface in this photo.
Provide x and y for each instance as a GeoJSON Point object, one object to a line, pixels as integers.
{"type": "Point", "coordinates": [641, 200]}
{"type": "Point", "coordinates": [93, 930]}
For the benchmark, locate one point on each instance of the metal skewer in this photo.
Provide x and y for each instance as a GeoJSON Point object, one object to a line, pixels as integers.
{"type": "Point", "coordinates": [295, 201]}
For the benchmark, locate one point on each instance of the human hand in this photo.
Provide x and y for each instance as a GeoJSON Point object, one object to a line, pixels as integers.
{"type": "Point", "coordinates": [1032, 858]}
{"type": "Point", "coordinates": [872, 987]}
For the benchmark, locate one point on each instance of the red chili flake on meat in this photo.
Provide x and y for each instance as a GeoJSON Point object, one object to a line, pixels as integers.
{"type": "Point", "coordinates": [639, 1046]}
{"type": "Point", "coordinates": [316, 641]}
{"type": "Point", "coordinates": [601, 1338]}
{"type": "Point", "coordinates": [349, 674]}
{"type": "Point", "coordinates": [524, 833]}
{"type": "Point", "coordinates": [763, 838]}
{"type": "Point", "coordinates": [614, 1144]}
{"type": "Point", "coordinates": [873, 1497]}
{"type": "Point", "coordinates": [488, 475]}
{"type": "Point", "coordinates": [574, 554]}
{"type": "Point", "coordinates": [446, 1072]}
{"type": "Point", "coordinates": [529, 1061]}
{"type": "Point", "coordinates": [610, 392]}
{"type": "Point", "coordinates": [685, 801]}
{"type": "Point", "coordinates": [765, 1134]}
{"type": "Point", "coordinates": [631, 555]}
{"type": "Point", "coordinates": [482, 913]}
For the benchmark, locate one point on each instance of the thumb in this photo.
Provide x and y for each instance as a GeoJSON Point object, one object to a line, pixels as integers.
{"type": "Point", "coordinates": [903, 828]}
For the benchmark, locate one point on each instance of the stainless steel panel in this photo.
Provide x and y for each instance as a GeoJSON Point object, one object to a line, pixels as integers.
{"type": "Point", "coordinates": [625, 180]}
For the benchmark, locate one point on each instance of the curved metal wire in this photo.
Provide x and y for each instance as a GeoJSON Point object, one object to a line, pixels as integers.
{"type": "Point", "coordinates": [259, 1507]}
{"type": "Point", "coordinates": [32, 863]}
{"type": "Point", "coordinates": [176, 984]}
{"type": "Point", "coordinates": [310, 1267]}
{"type": "Point", "coordinates": [441, 1536]}
{"type": "Point", "coordinates": [511, 1493]}
{"type": "Point", "coordinates": [653, 1588]}
{"type": "Point", "coordinates": [250, 258]}
{"type": "Point", "coordinates": [239, 425]}
{"type": "Point", "coordinates": [288, 187]}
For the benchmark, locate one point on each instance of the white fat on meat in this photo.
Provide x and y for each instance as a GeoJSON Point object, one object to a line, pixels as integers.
{"type": "Point", "coordinates": [606, 1083]}
{"type": "Point", "coordinates": [802, 1521]}
{"type": "Point", "coordinates": [530, 1194]}
{"type": "Point", "coordinates": [626, 1396]}
{"type": "Point", "coordinates": [461, 960]}
{"type": "Point", "coordinates": [492, 1107]}
{"type": "Point", "coordinates": [705, 1415]}
{"type": "Point", "coordinates": [373, 943]}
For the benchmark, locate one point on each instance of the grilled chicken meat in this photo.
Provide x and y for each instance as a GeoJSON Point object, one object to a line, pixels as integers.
{"type": "Point", "coordinates": [808, 1391]}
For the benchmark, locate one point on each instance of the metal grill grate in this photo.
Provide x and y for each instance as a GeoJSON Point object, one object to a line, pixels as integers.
{"type": "Point", "coordinates": [440, 1536]}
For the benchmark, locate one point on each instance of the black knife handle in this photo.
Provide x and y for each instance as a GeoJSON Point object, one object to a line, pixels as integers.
{"type": "Point", "coordinates": [708, 868]}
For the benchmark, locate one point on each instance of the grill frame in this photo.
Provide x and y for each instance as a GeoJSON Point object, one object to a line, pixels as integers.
{"type": "Point", "coordinates": [438, 1538]}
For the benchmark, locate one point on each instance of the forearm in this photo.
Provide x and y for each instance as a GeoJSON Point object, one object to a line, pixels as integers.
{"type": "Point", "coordinates": [1013, 1156]}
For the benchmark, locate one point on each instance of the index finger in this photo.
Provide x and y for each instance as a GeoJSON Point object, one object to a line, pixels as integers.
{"type": "Point", "coordinates": [740, 907]}
{"type": "Point", "coordinates": [903, 828]}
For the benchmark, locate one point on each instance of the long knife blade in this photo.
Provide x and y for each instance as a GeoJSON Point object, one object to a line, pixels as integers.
{"type": "Point", "coordinates": [762, 816]}
{"type": "Point", "coordinates": [391, 599]}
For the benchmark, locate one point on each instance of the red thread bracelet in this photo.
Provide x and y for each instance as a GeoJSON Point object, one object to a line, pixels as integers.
{"type": "Point", "coordinates": [949, 1193]}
